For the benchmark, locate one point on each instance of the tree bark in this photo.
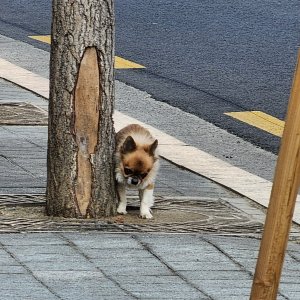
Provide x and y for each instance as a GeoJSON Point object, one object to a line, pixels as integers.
{"type": "Point", "coordinates": [81, 143]}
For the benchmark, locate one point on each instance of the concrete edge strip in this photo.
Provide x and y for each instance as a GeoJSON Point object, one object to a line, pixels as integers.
{"type": "Point", "coordinates": [174, 150]}
{"type": "Point", "coordinates": [24, 78]}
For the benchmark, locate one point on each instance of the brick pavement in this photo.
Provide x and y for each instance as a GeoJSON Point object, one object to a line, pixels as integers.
{"type": "Point", "coordinates": [94, 265]}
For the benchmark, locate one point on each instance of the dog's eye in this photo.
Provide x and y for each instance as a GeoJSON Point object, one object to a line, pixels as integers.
{"type": "Point", "coordinates": [128, 171]}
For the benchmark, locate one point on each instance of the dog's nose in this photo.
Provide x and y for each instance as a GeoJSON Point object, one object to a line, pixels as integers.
{"type": "Point", "coordinates": [134, 181]}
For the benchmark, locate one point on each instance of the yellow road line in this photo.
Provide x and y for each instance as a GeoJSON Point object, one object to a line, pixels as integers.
{"type": "Point", "coordinates": [42, 38]}
{"type": "Point", "coordinates": [260, 120]}
{"type": "Point", "coordinates": [120, 63]}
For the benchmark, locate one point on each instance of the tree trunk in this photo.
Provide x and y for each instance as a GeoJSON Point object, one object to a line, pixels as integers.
{"type": "Point", "coordinates": [81, 141]}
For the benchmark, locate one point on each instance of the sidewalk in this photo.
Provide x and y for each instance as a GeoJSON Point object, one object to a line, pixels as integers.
{"type": "Point", "coordinates": [202, 243]}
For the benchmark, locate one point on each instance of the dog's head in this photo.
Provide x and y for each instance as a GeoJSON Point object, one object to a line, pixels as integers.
{"type": "Point", "coordinates": [137, 160]}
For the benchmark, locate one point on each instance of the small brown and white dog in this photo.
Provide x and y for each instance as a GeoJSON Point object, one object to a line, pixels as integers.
{"type": "Point", "coordinates": [137, 164]}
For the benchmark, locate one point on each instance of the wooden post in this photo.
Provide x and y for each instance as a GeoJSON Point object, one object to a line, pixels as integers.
{"type": "Point", "coordinates": [282, 202]}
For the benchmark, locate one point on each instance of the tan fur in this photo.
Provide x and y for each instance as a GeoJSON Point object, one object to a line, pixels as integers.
{"type": "Point", "coordinates": [140, 134]}
{"type": "Point", "coordinates": [150, 186]}
{"type": "Point", "coordinates": [139, 160]}
{"type": "Point", "coordinates": [136, 151]}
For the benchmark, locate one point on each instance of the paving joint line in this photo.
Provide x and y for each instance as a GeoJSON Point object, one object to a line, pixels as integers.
{"type": "Point", "coordinates": [25, 139]}
{"type": "Point", "coordinates": [147, 247]}
{"type": "Point", "coordinates": [17, 165]}
{"type": "Point", "coordinates": [78, 250]}
{"type": "Point", "coordinates": [243, 268]}
{"type": "Point", "coordinates": [29, 271]}
{"type": "Point", "coordinates": [293, 256]}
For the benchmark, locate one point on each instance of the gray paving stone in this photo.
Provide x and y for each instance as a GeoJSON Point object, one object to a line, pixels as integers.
{"type": "Point", "coordinates": [159, 295]}
{"type": "Point", "coordinates": [55, 262]}
{"type": "Point", "coordinates": [22, 286]}
{"type": "Point", "coordinates": [292, 295]}
{"type": "Point", "coordinates": [23, 190]}
{"type": "Point", "coordinates": [166, 294]}
{"type": "Point", "coordinates": [137, 257]}
{"type": "Point", "coordinates": [80, 284]}
{"type": "Point", "coordinates": [144, 275]}
{"type": "Point", "coordinates": [26, 294]}
{"type": "Point", "coordinates": [131, 268]}
{"type": "Point", "coordinates": [11, 269]}
{"type": "Point", "coordinates": [31, 239]}
{"type": "Point", "coordinates": [106, 241]}
{"type": "Point", "coordinates": [216, 275]}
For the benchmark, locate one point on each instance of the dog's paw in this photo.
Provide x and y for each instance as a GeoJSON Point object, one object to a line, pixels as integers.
{"type": "Point", "coordinates": [121, 210]}
{"type": "Point", "coordinates": [146, 214]}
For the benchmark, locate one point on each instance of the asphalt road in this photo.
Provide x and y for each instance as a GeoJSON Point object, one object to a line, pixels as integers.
{"type": "Point", "coordinates": [205, 57]}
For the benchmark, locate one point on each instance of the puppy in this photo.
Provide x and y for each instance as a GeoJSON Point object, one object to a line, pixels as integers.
{"type": "Point", "coordinates": [137, 164]}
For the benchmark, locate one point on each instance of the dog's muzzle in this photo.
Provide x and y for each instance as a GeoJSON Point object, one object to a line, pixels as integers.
{"type": "Point", "coordinates": [133, 180]}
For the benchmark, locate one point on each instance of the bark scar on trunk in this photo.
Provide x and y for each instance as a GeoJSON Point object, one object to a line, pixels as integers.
{"type": "Point", "coordinates": [86, 107]}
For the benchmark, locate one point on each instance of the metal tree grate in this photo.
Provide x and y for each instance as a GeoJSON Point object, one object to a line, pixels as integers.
{"type": "Point", "coordinates": [22, 113]}
{"type": "Point", "coordinates": [171, 214]}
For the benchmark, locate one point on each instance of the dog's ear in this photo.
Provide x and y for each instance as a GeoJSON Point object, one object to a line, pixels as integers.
{"type": "Point", "coordinates": [153, 147]}
{"type": "Point", "coordinates": [128, 146]}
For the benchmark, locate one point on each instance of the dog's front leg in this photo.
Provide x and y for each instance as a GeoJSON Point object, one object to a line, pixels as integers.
{"type": "Point", "coordinates": [147, 200]}
{"type": "Point", "coordinates": [122, 199]}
